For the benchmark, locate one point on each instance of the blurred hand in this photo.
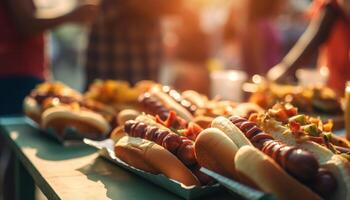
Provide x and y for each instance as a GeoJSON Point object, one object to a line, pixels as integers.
{"type": "Point", "coordinates": [86, 12]}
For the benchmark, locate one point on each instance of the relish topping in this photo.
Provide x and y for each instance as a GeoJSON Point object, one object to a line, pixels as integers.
{"type": "Point", "coordinates": [180, 126]}
{"type": "Point", "coordinates": [304, 127]}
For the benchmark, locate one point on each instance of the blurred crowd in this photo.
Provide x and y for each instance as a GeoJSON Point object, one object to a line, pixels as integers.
{"type": "Point", "coordinates": [231, 34]}
{"type": "Point", "coordinates": [174, 42]}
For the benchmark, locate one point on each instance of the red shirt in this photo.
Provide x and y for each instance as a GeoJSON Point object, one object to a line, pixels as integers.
{"type": "Point", "coordinates": [20, 55]}
{"type": "Point", "coordinates": [335, 52]}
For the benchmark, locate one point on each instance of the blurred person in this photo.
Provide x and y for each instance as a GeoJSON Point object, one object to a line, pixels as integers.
{"type": "Point", "coordinates": [23, 63]}
{"type": "Point", "coordinates": [328, 32]}
{"type": "Point", "coordinates": [125, 41]}
{"type": "Point", "coordinates": [191, 54]}
{"type": "Point", "coordinates": [254, 29]}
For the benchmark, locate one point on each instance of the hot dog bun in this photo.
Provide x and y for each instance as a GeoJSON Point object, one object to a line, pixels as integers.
{"type": "Point", "coordinates": [127, 114]}
{"type": "Point", "coordinates": [32, 109]}
{"type": "Point", "coordinates": [236, 135]}
{"type": "Point", "coordinates": [33, 102]}
{"type": "Point", "coordinates": [338, 165]}
{"type": "Point", "coordinates": [171, 104]}
{"type": "Point", "coordinates": [255, 167]}
{"type": "Point", "coordinates": [216, 151]}
{"type": "Point", "coordinates": [86, 122]}
{"type": "Point", "coordinates": [151, 157]}
{"type": "Point", "coordinates": [194, 97]}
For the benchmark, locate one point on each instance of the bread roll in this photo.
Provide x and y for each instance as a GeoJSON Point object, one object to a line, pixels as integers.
{"type": "Point", "coordinates": [32, 109]}
{"type": "Point", "coordinates": [153, 158]}
{"type": "Point", "coordinates": [127, 114]}
{"type": "Point", "coordinates": [215, 151]}
{"type": "Point", "coordinates": [231, 131]}
{"type": "Point", "coordinates": [265, 173]}
{"type": "Point", "coordinates": [195, 98]}
{"type": "Point", "coordinates": [85, 121]}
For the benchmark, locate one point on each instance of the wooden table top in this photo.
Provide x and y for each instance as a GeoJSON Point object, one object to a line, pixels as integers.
{"type": "Point", "coordinates": [76, 172]}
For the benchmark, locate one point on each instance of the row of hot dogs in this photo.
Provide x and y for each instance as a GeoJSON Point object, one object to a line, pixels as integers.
{"type": "Point", "coordinates": [280, 151]}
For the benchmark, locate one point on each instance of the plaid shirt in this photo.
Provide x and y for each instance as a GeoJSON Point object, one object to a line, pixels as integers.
{"type": "Point", "coordinates": [124, 48]}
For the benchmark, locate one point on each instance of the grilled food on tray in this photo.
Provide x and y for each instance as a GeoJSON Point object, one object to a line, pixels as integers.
{"type": "Point", "coordinates": [289, 155]}
{"type": "Point", "coordinates": [56, 106]}
{"type": "Point", "coordinates": [118, 94]}
{"type": "Point", "coordinates": [161, 147]}
{"type": "Point", "coordinates": [309, 99]}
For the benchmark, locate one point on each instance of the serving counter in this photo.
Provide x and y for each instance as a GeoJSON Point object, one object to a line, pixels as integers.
{"type": "Point", "coordinates": [73, 172]}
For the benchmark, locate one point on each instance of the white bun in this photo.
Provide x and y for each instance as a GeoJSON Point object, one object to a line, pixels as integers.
{"type": "Point", "coordinates": [85, 121]}
{"type": "Point", "coordinates": [153, 158]}
{"type": "Point", "coordinates": [215, 151]}
{"type": "Point", "coordinates": [255, 167]}
{"type": "Point", "coordinates": [232, 131]}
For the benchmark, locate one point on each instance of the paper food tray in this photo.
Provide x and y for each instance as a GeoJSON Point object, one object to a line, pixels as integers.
{"type": "Point", "coordinates": [238, 188]}
{"type": "Point", "coordinates": [106, 148]}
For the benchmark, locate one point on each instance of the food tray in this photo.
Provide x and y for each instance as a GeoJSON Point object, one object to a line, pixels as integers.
{"type": "Point", "coordinates": [238, 188]}
{"type": "Point", "coordinates": [106, 150]}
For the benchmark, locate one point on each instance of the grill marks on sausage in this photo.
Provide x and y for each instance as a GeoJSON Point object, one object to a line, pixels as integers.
{"type": "Point", "coordinates": [153, 105]}
{"type": "Point", "coordinates": [180, 146]}
{"type": "Point", "coordinates": [175, 95]}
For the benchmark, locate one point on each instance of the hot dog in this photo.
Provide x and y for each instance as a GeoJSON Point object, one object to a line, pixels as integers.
{"type": "Point", "coordinates": [88, 123]}
{"type": "Point", "coordinates": [153, 158]}
{"type": "Point", "coordinates": [257, 169]}
{"type": "Point", "coordinates": [158, 102]}
{"type": "Point", "coordinates": [284, 124]}
{"type": "Point", "coordinates": [189, 106]}
{"type": "Point", "coordinates": [298, 163]}
{"type": "Point", "coordinates": [195, 98]}
{"type": "Point", "coordinates": [56, 92]}
{"type": "Point", "coordinates": [180, 146]}
{"type": "Point", "coordinates": [55, 105]}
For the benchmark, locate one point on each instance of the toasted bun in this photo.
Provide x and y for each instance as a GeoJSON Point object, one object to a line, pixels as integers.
{"type": "Point", "coordinates": [338, 165]}
{"type": "Point", "coordinates": [153, 158]}
{"type": "Point", "coordinates": [233, 132]}
{"type": "Point", "coordinates": [171, 104]}
{"type": "Point", "coordinates": [127, 114]}
{"type": "Point", "coordinates": [85, 121]}
{"type": "Point", "coordinates": [32, 109]}
{"type": "Point", "coordinates": [195, 98]}
{"type": "Point", "coordinates": [215, 151]}
{"type": "Point", "coordinates": [254, 166]}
